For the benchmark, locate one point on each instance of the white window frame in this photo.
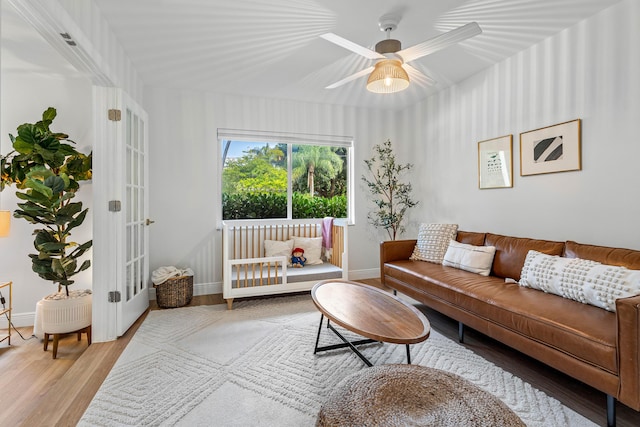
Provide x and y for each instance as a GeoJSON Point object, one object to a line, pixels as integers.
{"type": "Point", "coordinates": [289, 138]}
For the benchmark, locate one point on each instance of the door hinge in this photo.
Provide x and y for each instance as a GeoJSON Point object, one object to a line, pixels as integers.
{"type": "Point", "coordinates": [114, 296]}
{"type": "Point", "coordinates": [115, 206]}
{"type": "Point", "coordinates": [115, 115]}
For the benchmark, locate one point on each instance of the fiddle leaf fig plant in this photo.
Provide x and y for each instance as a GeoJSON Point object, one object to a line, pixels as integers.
{"type": "Point", "coordinates": [391, 195]}
{"type": "Point", "coordinates": [47, 171]}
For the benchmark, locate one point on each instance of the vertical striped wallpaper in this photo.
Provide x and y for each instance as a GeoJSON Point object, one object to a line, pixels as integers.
{"type": "Point", "coordinates": [590, 71]}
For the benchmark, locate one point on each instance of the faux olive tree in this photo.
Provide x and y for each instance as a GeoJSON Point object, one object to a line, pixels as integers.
{"type": "Point", "coordinates": [47, 171]}
{"type": "Point", "coordinates": [391, 196]}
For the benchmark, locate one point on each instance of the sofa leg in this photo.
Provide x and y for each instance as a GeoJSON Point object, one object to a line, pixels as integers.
{"type": "Point", "coordinates": [611, 411]}
{"type": "Point", "coordinates": [460, 332]}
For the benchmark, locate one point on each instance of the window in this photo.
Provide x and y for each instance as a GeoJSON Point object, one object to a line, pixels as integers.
{"type": "Point", "coordinates": [267, 176]}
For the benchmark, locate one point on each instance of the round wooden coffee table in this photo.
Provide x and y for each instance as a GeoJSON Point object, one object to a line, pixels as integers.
{"type": "Point", "coordinates": [368, 311]}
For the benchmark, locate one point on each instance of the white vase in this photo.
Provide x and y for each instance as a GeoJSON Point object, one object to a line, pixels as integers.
{"type": "Point", "coordinates": [59, 313]}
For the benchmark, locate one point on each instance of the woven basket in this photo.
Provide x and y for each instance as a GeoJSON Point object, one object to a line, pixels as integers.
{"type": "Point", "coordinates": [175, 292]}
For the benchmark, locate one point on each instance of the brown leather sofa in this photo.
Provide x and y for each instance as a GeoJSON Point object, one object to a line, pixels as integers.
{"type": "Point", "coordinates": [595, 346]}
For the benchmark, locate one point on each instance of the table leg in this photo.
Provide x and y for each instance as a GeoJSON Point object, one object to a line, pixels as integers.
{"type": "Point", "coordinates": [345, 343]}
{"type": "Point", "coordinates": [352, 345]}
{"type": "Point", "coordinates": [315, 350]}
{"type": "Point", "coordinates": [408, 355]}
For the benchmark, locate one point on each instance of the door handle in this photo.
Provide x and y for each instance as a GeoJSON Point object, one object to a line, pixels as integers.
{"type": "Point", "coordinates": [149, 222]}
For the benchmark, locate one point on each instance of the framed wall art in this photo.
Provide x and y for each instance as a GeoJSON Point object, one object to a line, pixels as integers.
{"type": "Point", "coordinates": [551, 149]}
{"type": "Point", "coordinates": [495, 162]}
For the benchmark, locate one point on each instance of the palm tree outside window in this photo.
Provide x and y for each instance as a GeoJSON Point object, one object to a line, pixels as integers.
{"type": "Point", "coordinates": [283, 180]}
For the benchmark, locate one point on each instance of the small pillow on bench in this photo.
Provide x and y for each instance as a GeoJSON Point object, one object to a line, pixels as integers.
{"type": "Point", "coordinates": [475, 259]}
{"type": "Point", "coordinates": [278, 248]}
{"type": "Point", "coordinates": [586, 281]}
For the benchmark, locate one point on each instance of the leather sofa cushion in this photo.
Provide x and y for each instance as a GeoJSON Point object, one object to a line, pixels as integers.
{"type": "Point", "coordinates": [470, 238]}
{"type": "Point", "coordinates": [585, 332]}
{"type": "Point", "coordinates": [512, 251]}
{"type": "Point", "coordinates": [612, 256]}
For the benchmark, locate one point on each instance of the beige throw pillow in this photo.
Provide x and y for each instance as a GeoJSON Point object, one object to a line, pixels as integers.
{"type": "Point", "coordinates": [312, 247]}
{"type": "Point", "coordinates": [475, 259]}
{"type": "Point", "coordinates": [433, 241]}
{"type": "Point", "coordinates": [278, 248]}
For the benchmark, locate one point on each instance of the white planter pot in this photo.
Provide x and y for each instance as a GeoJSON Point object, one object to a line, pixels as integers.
{"type": "Point", "coordinates": [61, 314]}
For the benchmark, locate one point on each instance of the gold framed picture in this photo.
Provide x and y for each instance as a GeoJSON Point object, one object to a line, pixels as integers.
{"type": "Point", "coordinates": [551, 149]}
{"type": "Point", "coordinates": [495, 162]}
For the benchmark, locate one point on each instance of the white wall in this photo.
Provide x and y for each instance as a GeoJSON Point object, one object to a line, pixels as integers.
{"type": "Point", "coordinates": [183, 161]}
{"type": "Point", "coordinates": [590, 71]}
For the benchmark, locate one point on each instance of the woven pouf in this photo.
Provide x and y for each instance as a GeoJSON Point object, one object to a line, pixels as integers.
{"type": "Point", "coordinates": [412, 395]}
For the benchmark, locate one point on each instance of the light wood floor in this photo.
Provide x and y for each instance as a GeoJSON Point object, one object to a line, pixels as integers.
{"type": "Point", "coordinates": [36, 390]}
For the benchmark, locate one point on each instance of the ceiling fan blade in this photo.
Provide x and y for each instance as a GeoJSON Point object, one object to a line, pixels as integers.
{"type": "Point", "coordinates": [350, 78]}
{"type": "Point", "coordinates": [440, 42]}
{"type": "Point", "coordinates": [418, 76]}
{"type": "Point", "coordinates": [353, 47]}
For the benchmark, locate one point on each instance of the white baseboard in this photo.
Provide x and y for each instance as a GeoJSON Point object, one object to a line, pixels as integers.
{"type": "Point", "coordinates": [22, 319]}
{"type": "Point", "coordinates": [28, 318]}
{"type": "Point", "coordinates": [372, 273]}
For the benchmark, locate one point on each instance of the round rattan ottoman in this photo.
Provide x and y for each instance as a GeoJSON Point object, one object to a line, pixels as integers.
{"type": "Point", "coordinates": [412, 395]}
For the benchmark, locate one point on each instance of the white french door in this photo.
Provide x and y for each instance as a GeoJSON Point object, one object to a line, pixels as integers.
{"type": "Point", "coordinates": [134, 270]}
{"type": "Point", "coordinates": [121, 224]}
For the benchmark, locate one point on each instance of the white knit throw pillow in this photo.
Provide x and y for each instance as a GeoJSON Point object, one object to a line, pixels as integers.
{"type": "Point", "coordinates": [582, 280]}
{"type": "Point", "coordinates": [433, 241]}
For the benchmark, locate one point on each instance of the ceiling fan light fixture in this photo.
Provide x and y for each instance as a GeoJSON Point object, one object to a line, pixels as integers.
{"type": "Point", "coordinates": [388, 76]}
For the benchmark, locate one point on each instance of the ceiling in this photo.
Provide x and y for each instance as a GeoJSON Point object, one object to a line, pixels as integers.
{"type": "Point", "coordinates": [25, 52]}
{"type": "Point", "coordinates": [272, 48]}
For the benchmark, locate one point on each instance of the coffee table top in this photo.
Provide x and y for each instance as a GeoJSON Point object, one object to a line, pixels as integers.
{"type": "Point", "coordinates": [370, 312]}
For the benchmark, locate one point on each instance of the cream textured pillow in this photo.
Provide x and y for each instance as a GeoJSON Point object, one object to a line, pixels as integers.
{"type": "Point", "coordinates": [278, 248]}
{"type": "Point", "coordinates": [586, 281]}
{"type": "Point", "coordinates": [476, 259]}
{"type": "Point", "coordinates": [312, 247]}
{"type": "Point", "coordinates": [433, 241]}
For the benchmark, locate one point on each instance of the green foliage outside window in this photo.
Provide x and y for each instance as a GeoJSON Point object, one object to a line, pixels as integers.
{"type": "Point", "coordinates": [254, 185]}
{"type": "Point", "coordinates": [274, 205]}
{"type": "Point", "coordinates": [313, 165]}
{"type": "Point", "coordinates": [257, 171]}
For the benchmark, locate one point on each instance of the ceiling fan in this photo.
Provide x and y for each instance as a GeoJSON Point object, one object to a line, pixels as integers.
{"type": "Point", "coordinates": [391, 71]}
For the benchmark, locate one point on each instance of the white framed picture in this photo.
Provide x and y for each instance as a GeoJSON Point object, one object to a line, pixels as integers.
{"type": "Point", "coordinates": [495, 162]}
{"type": "Point", "coordinates": [551, 149]}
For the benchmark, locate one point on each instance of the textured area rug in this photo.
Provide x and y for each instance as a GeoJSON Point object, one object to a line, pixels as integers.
{"type": "Point", "coordinates": [412, 395]}
{"type": "Point", "coordinates": [254, 366]}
